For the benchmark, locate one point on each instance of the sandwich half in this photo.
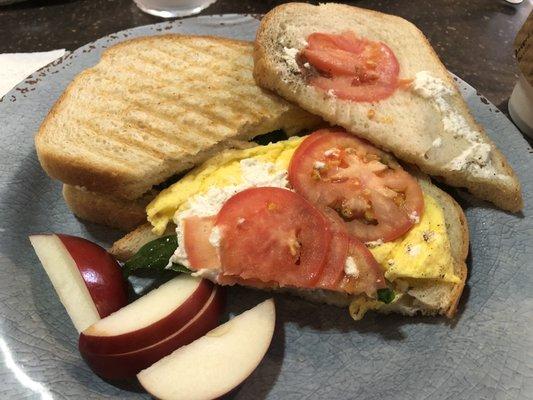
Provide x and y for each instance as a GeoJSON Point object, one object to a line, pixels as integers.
{"type": "Point", "coordinates": [327, 216]}
{"type": "Point", "coordinates": [377, 75]}
{"type": "Point", "coordinates": [151, 108]}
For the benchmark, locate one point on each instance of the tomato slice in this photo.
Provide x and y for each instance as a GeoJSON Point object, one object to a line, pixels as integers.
{"type": "Point", "coordinates": [369, 273]}
{"type": "Point", "coordinates": [352, 68]}
{"type": "Point", "coordinates": [273, 235]}
{"type": "Point", "coordinates": [333, 273]}
{"type": "Point", "coordinates": [369, 277]}
{"type": "Point", "coordinates": [377, 199]}
{"type": "Point", "coordinates": [200, 252]}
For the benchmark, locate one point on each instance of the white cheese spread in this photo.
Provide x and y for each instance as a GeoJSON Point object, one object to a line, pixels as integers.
{"type": "Point", "coordinates": [289, 55]}
{"type": "Point", "coordinates": [333, 152]}
{"type": "Point", "coordinates": [255, 173]}
{"type": "Point", "coordinates": [215, 236]}
{"type": "Point", "coordinates": [414, 217]}
{"type": "Point", "coordinates": [331, 93]}
{"type": "Point", "coordinates": [475, 158]}
{"type": "Point", "coordinates": [350, 267]}
{"type": "Point", "coordinates": [319, 165]}
{"type": "Point", "coordinates": [207, 273]}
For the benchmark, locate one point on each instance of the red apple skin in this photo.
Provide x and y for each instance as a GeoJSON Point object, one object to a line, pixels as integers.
{"type": "Point", "coordinates": [127, 365]}
{"type": "Point", "coordinates": [101, 274]}
{"type": "Point", "coordinates": [151, 334]}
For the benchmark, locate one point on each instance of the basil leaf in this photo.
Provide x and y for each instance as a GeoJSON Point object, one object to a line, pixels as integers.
{"type": "Point", "coordinates": [152, 257]}
{"type": "Point", "coordinates": [386, 295]}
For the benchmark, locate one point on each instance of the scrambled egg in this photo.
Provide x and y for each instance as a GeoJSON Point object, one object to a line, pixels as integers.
{"type": "Point", "coordinates": [422, 254]}
{"type": "Point", "coordinates": [221, 170]}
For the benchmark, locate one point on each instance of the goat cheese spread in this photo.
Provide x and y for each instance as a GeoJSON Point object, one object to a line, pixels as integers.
{"type": "Point", "coordinates": [289, 55]}
{"type": "Point", "coordinates": [476, 157]}
{"type": "Point", "coordinates": [350, 267]}
{"type": "Point", "coordinates": [255, 173]}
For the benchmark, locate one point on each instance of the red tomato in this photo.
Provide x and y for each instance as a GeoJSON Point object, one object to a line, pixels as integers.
{"type": "Point", "coordinates": [200, 252]}
{"type": "Point", "coordinates": [333, 272]}
{"type": "Point", "coordinates": [368, 189]}
{"type": "Point", "coordinates": [369, 277]}
{"type": "Point", "coordinates": [273, 235]}
{"type": "Point", "coordinates": [353, 68]}
{"type": "Point", "coordinates": [369, 273]}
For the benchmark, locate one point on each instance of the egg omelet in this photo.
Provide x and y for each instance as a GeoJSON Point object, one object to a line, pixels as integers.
{"type": "Point", "coordinates": [422, 255]}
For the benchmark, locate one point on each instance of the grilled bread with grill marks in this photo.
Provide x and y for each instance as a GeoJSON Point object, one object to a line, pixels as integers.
{"type": "Point", "coordinates": [155, 106]}
{"type": "Point", "coordinates": [409, 123]}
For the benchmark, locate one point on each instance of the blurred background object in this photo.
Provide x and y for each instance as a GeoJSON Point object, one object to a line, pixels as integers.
{"type": "Point", "coordinates": [173, 8]}
{"type": "Point", "coordinates": [521, 101]}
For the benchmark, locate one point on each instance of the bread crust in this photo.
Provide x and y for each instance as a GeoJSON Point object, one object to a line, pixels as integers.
{"type": "Point", "coordinates": [106, 209]}
{"type": "Point", "coordinates": [270, 73]}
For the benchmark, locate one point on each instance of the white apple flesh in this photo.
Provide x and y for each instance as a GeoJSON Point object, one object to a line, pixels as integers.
{"type": "Point", "coordinates": [86, 277]}
{"type": "Point", "coordinates": [149, 319]}
{"type": "Point", "coordinates": [217, 362]}
{"type": "Point", "coordinates": [127, 365]}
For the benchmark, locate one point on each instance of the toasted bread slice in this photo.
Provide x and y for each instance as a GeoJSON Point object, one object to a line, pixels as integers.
{"type": "Point", "coordinates": [427, 123]}
{"type": "Point", "coordinates": [105, 209]}
{"type": "Point", "coordinates": [426, 297]}
{"type": "Point", "coordinates": [155, 106]}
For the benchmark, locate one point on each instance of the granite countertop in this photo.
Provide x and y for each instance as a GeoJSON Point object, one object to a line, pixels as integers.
{"type": "Point", "coordinates": [472, 37]}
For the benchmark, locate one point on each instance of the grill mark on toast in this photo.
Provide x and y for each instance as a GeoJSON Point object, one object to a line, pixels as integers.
{"type": "Point", "coordinates": [232, 72]}
{"type": "Point", "coordinates": [121, 141]}
{"type": "Point", "coordinates": [172, 139]}
{"type": "Point", "coordinates": [210, 51]}
{"type": "Point", "coordinates": [213, 117]}
{"type": "Point", "coordinates": [189, 145]}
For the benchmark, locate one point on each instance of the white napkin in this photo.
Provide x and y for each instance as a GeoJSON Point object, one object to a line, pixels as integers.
{"type": "Point", "coordinates": [15, 67]}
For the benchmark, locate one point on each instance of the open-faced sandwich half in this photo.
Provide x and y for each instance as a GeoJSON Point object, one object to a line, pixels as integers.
{"type": "Point", "coordinates": [376, 75]}
{"type": "Point", "coordinates": [328, 216]}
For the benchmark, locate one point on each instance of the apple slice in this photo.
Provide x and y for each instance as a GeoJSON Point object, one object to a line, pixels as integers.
{"type": "Point", "coordinates": [149, 319]}
{"type": "Point", "coordinates": [216, 363]}
{"type": "Point", "coordinates": [127, 365]}
{"type": "Point", "coordinates": [86, 278]}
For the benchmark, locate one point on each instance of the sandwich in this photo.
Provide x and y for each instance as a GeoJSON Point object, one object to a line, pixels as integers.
{"type": "Point", "coordinates": [327, 216]}
{"type": "Point", "coordinates": [150, 109]}
{"type": "Point", "coordinates": [376, 75]}
{"type": "Point", "coordinates": [346, 215]}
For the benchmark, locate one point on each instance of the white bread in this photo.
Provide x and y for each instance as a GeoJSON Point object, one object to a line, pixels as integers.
{"type": "Point", "coordinates": [408, 124]}
{"type": "Point", "coordinates": [155, 106]}
{"type": "Point", "coordinates": [426, 298]}
{"type": "Point", "coordinates": [105, 209]}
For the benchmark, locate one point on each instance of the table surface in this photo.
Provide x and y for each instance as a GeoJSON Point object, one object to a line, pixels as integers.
{"type": "Point", "coordinates": [474, 38]}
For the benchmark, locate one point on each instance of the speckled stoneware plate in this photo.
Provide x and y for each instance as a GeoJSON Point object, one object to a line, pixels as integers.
{"type": "Point", "coordinates": [318, 352]}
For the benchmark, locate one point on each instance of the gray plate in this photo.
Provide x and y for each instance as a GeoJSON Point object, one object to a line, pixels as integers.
{"type": "Point", "coordinates": [317, 352]}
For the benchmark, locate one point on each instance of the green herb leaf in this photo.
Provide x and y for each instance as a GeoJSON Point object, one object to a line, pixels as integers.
{"type": "Point", "coordinates": [153, 257]}
{"type": "Point", "coordinates": [386, 295]}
